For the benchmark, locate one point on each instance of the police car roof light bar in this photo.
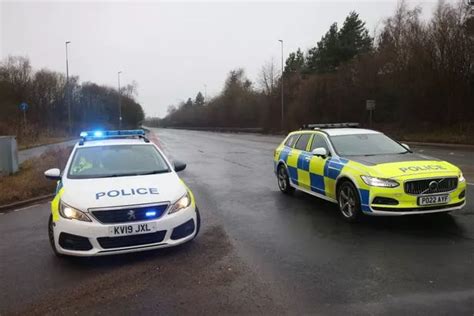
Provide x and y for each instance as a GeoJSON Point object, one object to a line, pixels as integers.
{"type": "Point", "coordinates": [330, 125]}
{"type": "Point", "coordinates": [99, 134]}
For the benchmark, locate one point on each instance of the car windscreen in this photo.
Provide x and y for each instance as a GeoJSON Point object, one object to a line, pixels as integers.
{"type": "Point", "coordinates": [116, 161]}
{"type": "Point", "coordinates": [366, 145]}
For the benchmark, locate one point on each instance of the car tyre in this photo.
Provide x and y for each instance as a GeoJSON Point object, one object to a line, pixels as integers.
{"type": "Point", "coordinates": [284, 180]}
{"type": "Point", "coordinates": [349, 201]}
{"type": "Point", "coordinates": [198, 223]}
{"type": "Point", "coordinates": [51, 237]}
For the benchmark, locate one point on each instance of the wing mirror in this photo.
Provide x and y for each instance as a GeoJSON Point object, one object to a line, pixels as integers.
{"type": "Point", "coordinates": [406, 146]}
{"type": "Point", "coordinates": [179, 165]}
{"type": "Point", "coordinates": [320, 152]}
{"type": "Point", "coordinates": [53, 174]}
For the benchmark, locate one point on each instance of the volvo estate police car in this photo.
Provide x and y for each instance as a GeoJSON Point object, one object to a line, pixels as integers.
{"type": "Point", "coordinates": [366, 172]}
{"type": "Point", "coordinates": [119, 193]}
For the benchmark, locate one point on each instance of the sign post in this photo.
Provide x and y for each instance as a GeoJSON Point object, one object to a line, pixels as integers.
{"type": "Point", "coordinates": [24, 107]}
{"type": "Point", "coordinates": [370, 106]}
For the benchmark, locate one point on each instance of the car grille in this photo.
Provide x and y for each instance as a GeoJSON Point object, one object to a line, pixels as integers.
{"type": "Point", "coordinates": [130, 214]}
{"type": "Point", "coordinates": [430, 186]}
{"type": "Point", "coordinates": [132, 240]}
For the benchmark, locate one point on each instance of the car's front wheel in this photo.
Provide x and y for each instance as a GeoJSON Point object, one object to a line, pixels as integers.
{"type": "Point", "coordinates": [349, 201]}
{"type": "Point", "coordinates": [284, 180]}
{"type": "Point", "coordinates": [51, 236]}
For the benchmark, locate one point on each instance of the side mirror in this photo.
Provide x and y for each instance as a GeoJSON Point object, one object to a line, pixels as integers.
{"type": "Point", "coordinates": [179, 165]}
{"type": "Point", "coordinates": [406, 146]}
{"type": "Point", "coordinates": [320, 152]}
{"type": "Point", "coordinates": [53, 174]}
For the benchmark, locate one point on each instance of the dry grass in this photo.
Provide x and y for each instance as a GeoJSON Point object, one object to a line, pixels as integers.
{"type": "Point", "coordinates": [30, 182]}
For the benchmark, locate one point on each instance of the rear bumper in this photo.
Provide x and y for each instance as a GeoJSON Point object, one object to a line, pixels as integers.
{"type": "Point", "coordinates": [93, 238]}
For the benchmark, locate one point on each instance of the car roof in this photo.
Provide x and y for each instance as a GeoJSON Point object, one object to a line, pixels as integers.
{"type": "Point", "coordinates": [113, 141]}
{"type": "Point", "coordinates": [348, 131]}
{"type": "Point", "coordinates": [340, 131]}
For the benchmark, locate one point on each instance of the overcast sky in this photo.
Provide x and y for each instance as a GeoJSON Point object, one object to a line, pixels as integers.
{"type": "Point", "coordinates": [172, 49]}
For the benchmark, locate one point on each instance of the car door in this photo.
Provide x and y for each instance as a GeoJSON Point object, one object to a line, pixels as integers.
{"type": "Point", "coordinates": [300, 161]}
{"type": "Point", "coordinates": [317, 165]}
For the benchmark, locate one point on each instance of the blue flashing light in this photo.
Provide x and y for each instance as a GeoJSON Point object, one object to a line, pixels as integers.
{"type": "Point", "coordinates": [107, 134]}
{"type": "Point", "coordinates": [150, 214]}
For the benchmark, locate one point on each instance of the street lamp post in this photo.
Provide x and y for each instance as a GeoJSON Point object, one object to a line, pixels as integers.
{"type": "Point", "coordinates": [67, 92]}
{"type": "Point", "coordinates": [282, 97]}
{"type": "Point", "coordinates": [119, 101]}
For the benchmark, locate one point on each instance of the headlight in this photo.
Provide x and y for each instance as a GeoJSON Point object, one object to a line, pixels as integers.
{"type": "Point", "coordinates": [71, 213]}
{"type": "Point", "coordinates": [461, 177]}
{"type": "Point", "coordinates": [379, 182]}
{"type": "Point", "coordinates": [182, 203]}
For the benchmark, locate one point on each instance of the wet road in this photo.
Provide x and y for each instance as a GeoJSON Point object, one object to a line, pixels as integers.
{"type": "Point", "coordinates": [259, 252]}
{"type": "Point", "coordinates": [29, 153]}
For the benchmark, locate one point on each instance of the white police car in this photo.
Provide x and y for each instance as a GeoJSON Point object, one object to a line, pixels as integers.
{"type": "Point", "coordinates": [119, 193]}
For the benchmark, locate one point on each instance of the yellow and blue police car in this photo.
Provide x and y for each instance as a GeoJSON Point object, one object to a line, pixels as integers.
{"type": "Point", "coordinates": [119, 193]}
{"type": "Point", "coordinates": [366, 172]}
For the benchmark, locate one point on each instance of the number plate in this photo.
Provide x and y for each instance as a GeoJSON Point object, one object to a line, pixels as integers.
{"type": "Point", "coordinates": [132, 229]}
{"type": "Point", "coordinates": [433, 199]}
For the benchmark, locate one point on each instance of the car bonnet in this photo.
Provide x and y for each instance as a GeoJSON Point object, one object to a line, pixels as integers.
{"type": "Point", "coordinates": [86, 194]}
{"type": "Point", "coordinates": [407, 165]}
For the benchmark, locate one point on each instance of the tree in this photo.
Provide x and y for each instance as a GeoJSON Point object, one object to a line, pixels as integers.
{"type": "Point", "coordinates": [325, 57]}
{"type": "Point", "coordinates": [199, 101]}
{"type": "Point", "coordinates": [295, 63]}
{"type": "Point", "coordinates": [188, 104]}
{"type": "Point", "coordinates": [354, 38]}
{"type": "Point", "coordinates": [268, 78]}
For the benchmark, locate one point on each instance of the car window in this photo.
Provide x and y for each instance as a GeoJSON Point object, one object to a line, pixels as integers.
{"type": "Point", "coordinates": [290, 142]}
{"type": "Point", "coordinates": [366, 145]}
{"type": "Point", "coordinates": [116, 161]}
{"type": "Point", "coordinates": [302, 141]}
{"type": "Point", "coordinates": [319, 141]}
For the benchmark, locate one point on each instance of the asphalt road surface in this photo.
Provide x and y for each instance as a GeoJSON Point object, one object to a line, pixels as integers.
{"type": "Point", "coordinates": [259, 252]}
{"type": "Point", "coordinates": [29, 153]}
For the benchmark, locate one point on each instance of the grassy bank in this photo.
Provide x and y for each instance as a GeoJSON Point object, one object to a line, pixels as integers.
{"type": "Point", "coordinates": [30, 182]}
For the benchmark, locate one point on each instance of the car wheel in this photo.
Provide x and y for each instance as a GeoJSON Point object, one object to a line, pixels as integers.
{"type": "Point", "coordinates": [284, 180]}
{"type": "Point", "coordinates": [348, 201]}
{"type": "Point", "coordinates": [198, 223]}
{"type": "Point", "coordinates": [51, 237]}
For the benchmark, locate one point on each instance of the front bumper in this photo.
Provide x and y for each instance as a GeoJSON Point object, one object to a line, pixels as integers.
{"type": "Point", "coordinates": [408, 204]}
{"type": "Point", "coordinates": [93, 238]}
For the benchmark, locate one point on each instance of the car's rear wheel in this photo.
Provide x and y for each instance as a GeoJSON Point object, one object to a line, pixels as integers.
{"type": "Point", "coordinates": [349, 201]}
{"type": "Point", "coordinates": [284, 180]}
{"type": "Point", "coordinates": [51, 236]}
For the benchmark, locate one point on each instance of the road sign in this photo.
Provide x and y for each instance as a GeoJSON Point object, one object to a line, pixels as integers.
{"type": "Point", "coordinates": [23, 106]}
{"type": "Point", "coordinates": [370, 105]}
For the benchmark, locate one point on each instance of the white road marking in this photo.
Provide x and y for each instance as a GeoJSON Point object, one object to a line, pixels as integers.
{"type": "Point", "coordinates": [28, 207]}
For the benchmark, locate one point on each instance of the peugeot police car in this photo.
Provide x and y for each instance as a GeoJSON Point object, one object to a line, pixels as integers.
{"type": "Point", "coordinates": [119, 193]}
{"type": "Point", "coordinates": [366, 172]}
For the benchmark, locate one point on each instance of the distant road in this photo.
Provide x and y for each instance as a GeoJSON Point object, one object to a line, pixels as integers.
{"type": "Point", "coordinates": [26, 154]}
{"type": "Point", "coordinates": [259, 252]}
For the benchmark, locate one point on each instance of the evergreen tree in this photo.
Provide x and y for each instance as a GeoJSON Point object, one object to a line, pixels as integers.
{"type": "Point", "coordinates": [199, 99]}
{"type": "Point", "coordinates": [295, 62]}
{"type": "Point", "coordinates": [354, 38]}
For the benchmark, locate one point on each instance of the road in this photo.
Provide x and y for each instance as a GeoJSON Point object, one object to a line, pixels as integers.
{"type": "Point", "coordinates": [259, 252]}
{"type": "Point", "coordinates": [29, 153]}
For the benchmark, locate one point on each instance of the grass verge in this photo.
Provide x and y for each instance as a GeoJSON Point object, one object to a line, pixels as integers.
{"type": "Point", "coordinates": [29, 181]}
